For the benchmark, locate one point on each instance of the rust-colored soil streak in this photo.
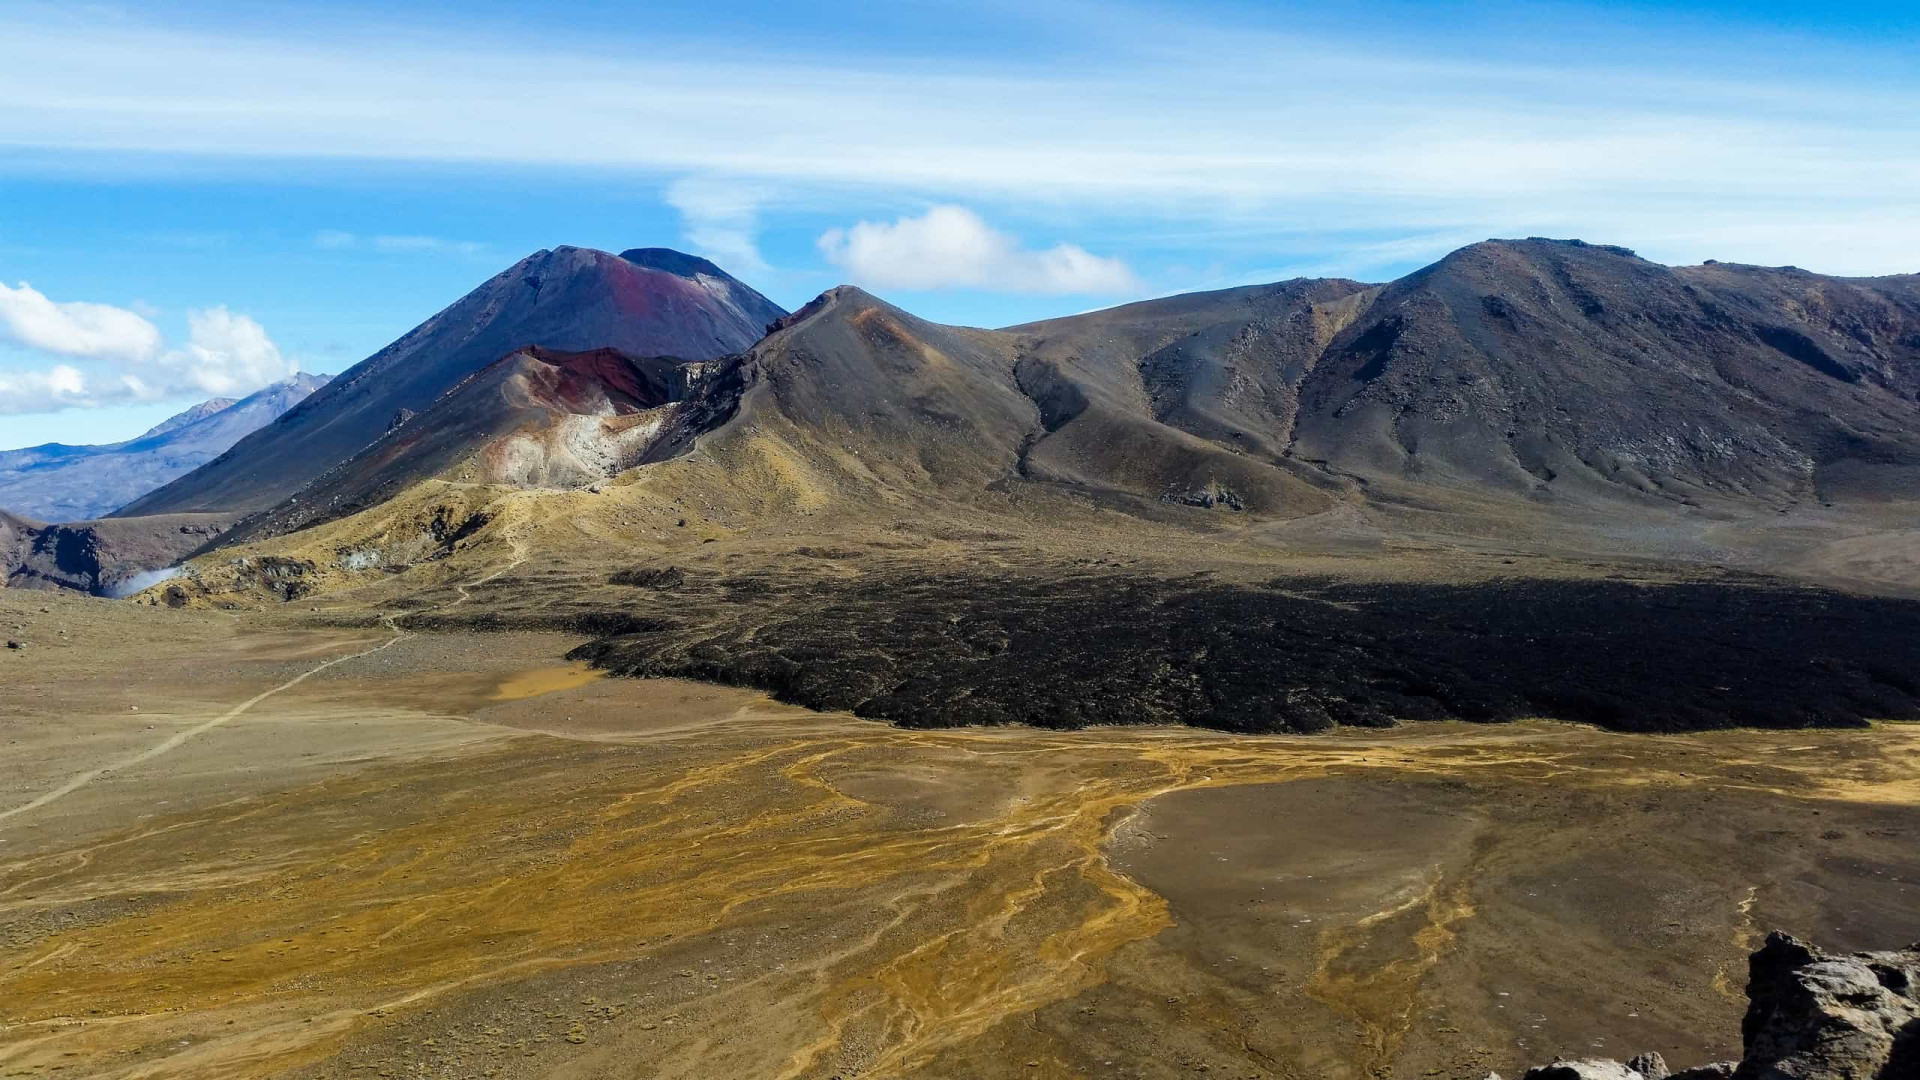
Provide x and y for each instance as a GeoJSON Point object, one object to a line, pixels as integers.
{"type": "Point", "coordinates": [545, 680]}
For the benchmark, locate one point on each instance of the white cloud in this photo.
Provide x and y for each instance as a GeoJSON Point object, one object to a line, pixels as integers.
{"type": "Point", "coordinates": [952, 247]}
{"type": "Point", "coordinates": [58, 387]}
{"type": "Point", "coordinates": [225, 355]}
{"type": "Point", "coordinates": [92, 331]}
{"type": "Point", "coordinates": [388, 244]}
{"type": "Point", "coordinates": [719, 220]}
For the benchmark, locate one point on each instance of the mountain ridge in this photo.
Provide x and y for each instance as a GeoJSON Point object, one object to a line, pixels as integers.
{"type": "Point", "coordinates": [188, 416]}
{"type": "Point", "coordinates": [60, 482]}
{"type": "Point", "coordinates": [1573, 390]}
{"type": "Point", "coordinates": [1528, 369]}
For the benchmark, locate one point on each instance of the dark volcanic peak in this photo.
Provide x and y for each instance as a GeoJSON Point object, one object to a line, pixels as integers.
{"type": "Point", "coordinates": [929, 406]}
{"type": "Point", "coordinates": [1612, 249]}
{"type": "Point", "coordinates": [673, 262]}
{"type": "Point", "coordinates": [567, 299]}
{"type": "Point", "coordinates": [1188, 400]}
{"type": "Point", "coordinates": [852, 295]}
{"type": "Point", "coordinates": [872, 395]}
{"type": "Point", "coordinates": [751, 304]}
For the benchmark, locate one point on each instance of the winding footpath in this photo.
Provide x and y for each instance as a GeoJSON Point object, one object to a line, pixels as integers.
{"type": "Point", "coordinates": [175, 740]}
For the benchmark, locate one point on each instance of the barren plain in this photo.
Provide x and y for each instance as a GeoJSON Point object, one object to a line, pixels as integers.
{"type": "Point", "coordinates": [250, 843]}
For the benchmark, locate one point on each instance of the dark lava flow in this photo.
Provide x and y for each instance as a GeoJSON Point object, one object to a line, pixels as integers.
{"type": "Point", "coordinates": [1065, 651]}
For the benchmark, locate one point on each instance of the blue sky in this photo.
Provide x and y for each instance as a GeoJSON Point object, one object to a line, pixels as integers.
{"type": "Point", "coordinates": [195, 197]}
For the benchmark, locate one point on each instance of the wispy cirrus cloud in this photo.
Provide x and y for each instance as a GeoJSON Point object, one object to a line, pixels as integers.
{"type": "Point", "coordinates": [389, 244]}
{"type": "Point", "coordinates": [952, 247]}
{"type": "Point", "coordinates": [111, 355]}
{"type": "Point", "coordinates": [1304, 129]}
{"type": "Point", "coordinates": [720, 219]}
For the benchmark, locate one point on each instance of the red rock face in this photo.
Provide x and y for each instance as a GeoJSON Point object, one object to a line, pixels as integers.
{"type": "Point", "coordinates": [582, 379]}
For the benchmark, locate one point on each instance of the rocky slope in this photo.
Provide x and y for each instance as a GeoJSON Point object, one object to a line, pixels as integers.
{"type": "Point", "coordinates": [647, 302]}
{"type": "Point", "coordinates": [57, 482]}
{"type": "Point", "coordinates": [855, 403]}
{"type": "Point", "coordinates": [1810, 1016]}
{"type": "Point", "coordinates": [1190, 400]}
{"type": "Point", "coordinates": [16, 540]}
{"type": "Point", "coordinates": [198, 412]}
{"type": "Point", "coordinates": [1560, 370]}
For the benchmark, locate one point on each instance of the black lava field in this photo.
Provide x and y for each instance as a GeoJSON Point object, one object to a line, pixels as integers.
{"type": "Point", "coordinates": [1070, 650]}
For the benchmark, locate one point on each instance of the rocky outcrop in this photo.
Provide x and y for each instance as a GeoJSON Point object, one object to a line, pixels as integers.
{"type": "Point", "coordinates": [104, 558]}
{"type": "Point", "coordinates": [1813, 1015]}
{"type": "Point", "coordinates": [1810, 1016]}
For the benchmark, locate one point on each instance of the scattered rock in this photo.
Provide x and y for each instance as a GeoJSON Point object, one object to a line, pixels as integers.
{"type": "Point", "coordinates": [1719, 1070]}
{"type": "Point", "coordinates": [1586, 1069]}
{"type": "Point", "coordinates": [16, 645]}
{"type": "Point", "coordinates": [1650, 1065]}
{"type": "Point", "coordinates": [1206, 498]}
{"type": "Point", "coordinates": [1810, 1016]}
{"type": "Point", "coordinates": [650, 577]}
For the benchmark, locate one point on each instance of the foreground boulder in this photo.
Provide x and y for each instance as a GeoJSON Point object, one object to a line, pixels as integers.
{"type": "Point", "coordinates": [1810, 1016]}
{"type": "Point", "coordinates": [1642, 1067]}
